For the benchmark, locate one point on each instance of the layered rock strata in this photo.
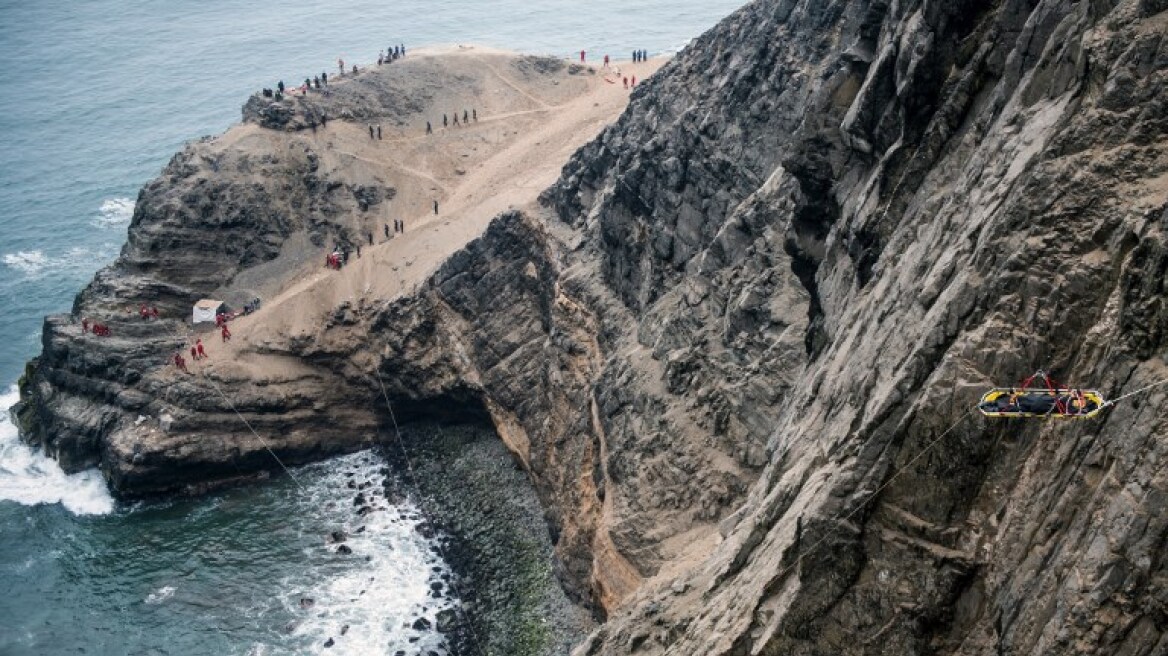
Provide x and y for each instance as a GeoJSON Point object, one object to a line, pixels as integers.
{"type": "Point", "coordinates": [739, 348]}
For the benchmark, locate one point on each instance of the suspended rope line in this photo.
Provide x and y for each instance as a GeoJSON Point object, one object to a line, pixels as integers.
{"type": "Point", "coordinates": [231, 405]}
{"type": "Point", "coordinates": [421, 508]}
{"type": "Point", "coordinates": [872, 495]}
{"type": "Point", "coordinates": [1139, 391]}
{"type": "Point", "coordinates": [928, 447]}
{"type": "Point", "coordinates": [253, 431]}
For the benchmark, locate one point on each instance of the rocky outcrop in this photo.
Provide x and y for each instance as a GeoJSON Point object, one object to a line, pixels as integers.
{"type": "Point", "coordinates": [738, 352]}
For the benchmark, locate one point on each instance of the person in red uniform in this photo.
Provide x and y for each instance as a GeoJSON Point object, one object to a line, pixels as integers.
{"type": "Point", "coordinates": [194, 354]}
{"type": "Point", "coordinates": [581, 56]}
{"type": "Point", "coordinates": [180, 362]}
{"type": "Point", "coordinates": [199, 346]}
{"type": "Point", "coordinates": [226, 333]}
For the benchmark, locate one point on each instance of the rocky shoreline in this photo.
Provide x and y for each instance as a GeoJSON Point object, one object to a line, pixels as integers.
{"type": "Point", "coordinates": [486, 514]}
{"type": "Point", "coordinates": [729, 340]}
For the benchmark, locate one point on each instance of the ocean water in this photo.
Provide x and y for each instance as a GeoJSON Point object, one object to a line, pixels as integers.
{"type": "Point", "coordinates": [100, 94]}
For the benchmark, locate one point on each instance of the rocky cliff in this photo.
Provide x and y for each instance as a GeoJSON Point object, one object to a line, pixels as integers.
{"type": "Point", "coordinates": [738, 348]}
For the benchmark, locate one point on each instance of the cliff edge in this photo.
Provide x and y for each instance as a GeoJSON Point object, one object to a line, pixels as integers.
{"type": "Point", "coordinates": [738, 343]}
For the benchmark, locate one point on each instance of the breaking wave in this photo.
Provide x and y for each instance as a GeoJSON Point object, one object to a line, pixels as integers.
{"type": "Point", "coordinates": [30, 478]}
{"type": "Point", "coordinates": [114, 212]}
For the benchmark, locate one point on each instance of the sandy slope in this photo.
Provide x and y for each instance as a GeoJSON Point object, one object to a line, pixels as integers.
{"type": "Point", "coordinates": [528, 126]}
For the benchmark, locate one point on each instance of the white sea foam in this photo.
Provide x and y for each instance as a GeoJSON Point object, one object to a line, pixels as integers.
{"type": "Point", "coordinates": [77, 260]}
{"type": "Point", "coordinates": [383, 586]}
{"type": "Point", "coordinates": [29, 477]}
{"type": "Point", "coordinates": [160, 595]}
{"type": "Point", "coordinates": [27, 262]}
{"type": "Point", "coordinates": [114, 212]}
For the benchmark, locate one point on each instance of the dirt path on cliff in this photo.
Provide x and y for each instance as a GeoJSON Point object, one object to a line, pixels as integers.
{"type": "Point", "coordinates": [528, 126]}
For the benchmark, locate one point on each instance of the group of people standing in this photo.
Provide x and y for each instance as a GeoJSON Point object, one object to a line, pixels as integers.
{"type": "Point", "coordinates": [99, 329]}
{"type": "Point", "coordinates": [638, 56]}
{"type": "Point", "coordinates": [391, 53]}
{"type": "Point", "coordinates": [473, 115]}
{"type": "Point", "coordinates": [318, 82]}
{"type": "Point", "coordinates": [337, 258]}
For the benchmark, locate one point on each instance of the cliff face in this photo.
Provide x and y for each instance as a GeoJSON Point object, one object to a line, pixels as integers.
{"type": "Point", "coordinates": [961, 192]}
{"type": "Point", "coordinates": [739, 348]}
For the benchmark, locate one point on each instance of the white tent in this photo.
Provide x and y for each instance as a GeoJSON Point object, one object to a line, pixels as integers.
{"type": "Point", "coordinates": [206, 309]}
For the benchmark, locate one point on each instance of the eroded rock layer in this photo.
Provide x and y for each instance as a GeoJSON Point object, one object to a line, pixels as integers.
{"type": "Point", "coordinates": [739, 347]}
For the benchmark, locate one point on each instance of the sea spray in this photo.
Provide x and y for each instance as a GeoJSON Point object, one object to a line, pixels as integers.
{"type": "Point", "coordinates": [29, 477]}
{"type": "Point", "coordinates": [390, 586]}
{"type": "Point", "coordinates": [114, 212]}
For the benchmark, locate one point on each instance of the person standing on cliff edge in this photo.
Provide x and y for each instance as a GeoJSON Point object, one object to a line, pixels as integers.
{"type": "Point", "coordinates": [341, 66]}
{"type": "Point", "coordinates": [84, 325]}
{"type": "Point", "coordinates": [435, 208]}
{"type": "Point", "coordinates": [581, 56]}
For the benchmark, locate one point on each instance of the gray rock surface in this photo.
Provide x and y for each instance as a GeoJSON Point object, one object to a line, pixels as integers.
{"type": "Point", "coordinates": [738, 354]}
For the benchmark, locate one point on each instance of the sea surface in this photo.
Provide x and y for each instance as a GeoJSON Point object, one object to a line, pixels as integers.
{"type": "Point", "coordinates": [99, 94]}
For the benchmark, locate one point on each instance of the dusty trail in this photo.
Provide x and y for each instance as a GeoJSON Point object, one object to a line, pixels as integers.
{"type": "Point", "coordinates": [475, 171]}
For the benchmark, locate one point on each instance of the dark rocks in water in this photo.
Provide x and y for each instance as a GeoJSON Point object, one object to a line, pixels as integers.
{"type": "Point", "coordinates": [329, 643]}
{"type": "Point", "coordinates": [425, 529]}
{"type": "Point", "coordinates": [359, 500]}
{"type": "Point", "coordinates": [364, 510]}
{"type": "Point", "coordinates": [307, 602]}
{"type": "Point", "coordinates": [364, 485]}
{"type": "Point", "coordinates": [352, 485]}
{"type": "Point", "coordinates": [338, 536]}
{"type": "Point", "coordinates": [360, 529]}
{"type": "Point", "coordinates": [446, 621]}
{"type": "Point", "coordinates": [344, 550]}
{"type": "Point", "coordinates": [421, 624]}
{"type": "Point", "coordinates": [436, 586]}
{"type": "Point", "coordinates": [344, 629]}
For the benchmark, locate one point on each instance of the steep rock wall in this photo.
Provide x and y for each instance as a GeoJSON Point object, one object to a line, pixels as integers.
{"type": "Point", "coordinates": [739, 353]}
{"type": "Point", "coordinates": [966, 192]}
